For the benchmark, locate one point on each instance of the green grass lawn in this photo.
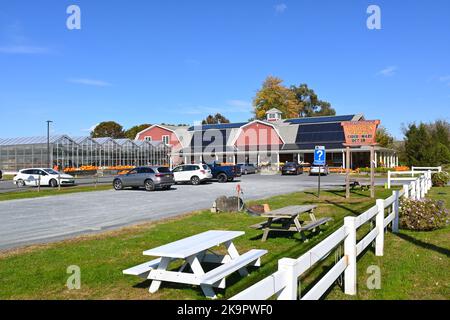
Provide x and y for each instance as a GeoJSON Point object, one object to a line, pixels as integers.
{"type": "Point", "coordinates": [7, 177]}
{"type": "Point", "coordinates": [40, 272]}
{"type": "Point", "coordinates": [46, 191]}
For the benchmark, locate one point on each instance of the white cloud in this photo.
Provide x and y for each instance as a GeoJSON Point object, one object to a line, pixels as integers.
{"type": "Point", "coordinates": [280, 8]}
{"type": "Point", "coordinates": [388, 72]}
{"type": "Point", "coordinates": [90, 82]}
{"type": "Point", "coordinates": [23, 49]}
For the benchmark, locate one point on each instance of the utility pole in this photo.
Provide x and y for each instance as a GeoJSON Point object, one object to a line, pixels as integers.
{"type": "Point", "coordinates": [48, 143]}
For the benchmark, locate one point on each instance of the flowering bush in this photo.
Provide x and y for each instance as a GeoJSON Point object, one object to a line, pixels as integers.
{"type": "Point", "coordinates": [423, 215]}
{"type": "Point", "coordinates": [440, 179]}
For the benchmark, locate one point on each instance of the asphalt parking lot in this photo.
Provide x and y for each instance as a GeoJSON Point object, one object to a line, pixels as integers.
{"type": "Point", "coordinates": [41, 220]}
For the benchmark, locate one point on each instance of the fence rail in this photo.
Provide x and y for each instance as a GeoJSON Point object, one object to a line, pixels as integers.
{"type": "Point", "coordinates": [284, 283]}
{"type": "Point", "coordinates": [409, 175]}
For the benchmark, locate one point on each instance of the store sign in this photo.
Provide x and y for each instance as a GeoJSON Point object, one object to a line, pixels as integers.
{"type": "Point", "coordinates": [360, 133]}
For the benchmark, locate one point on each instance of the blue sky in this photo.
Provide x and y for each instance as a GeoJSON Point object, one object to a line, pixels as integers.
{"type": "Point", "coordinates": [178, 61]}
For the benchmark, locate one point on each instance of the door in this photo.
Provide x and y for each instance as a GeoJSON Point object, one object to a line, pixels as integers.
{"type": "Point", "coordinates": [130, 179]}
{"type": "Point", "coordinates": [178, 173]}
{"type": "Point", "coordinates": [142, 175]}
{"type": "Point", "coordinates": [45, 177]}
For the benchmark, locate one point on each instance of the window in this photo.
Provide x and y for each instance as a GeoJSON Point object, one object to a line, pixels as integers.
{"type": "Point", "coordinates": [163, 170]}
{"type": "Point", "coordinates": [166, 139]}
{"type": "Point", "coordinates": [148, 139]}
{"type": "Point", "coordinates": [146, 170]}
{"type": "Point", "coordinates": [178, 169]}
{"type": "Point", "coordinates": [134, 171]}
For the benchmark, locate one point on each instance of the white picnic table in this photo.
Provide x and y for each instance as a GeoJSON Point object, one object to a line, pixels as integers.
{"type": "Point", "coordinates": [195, 251]}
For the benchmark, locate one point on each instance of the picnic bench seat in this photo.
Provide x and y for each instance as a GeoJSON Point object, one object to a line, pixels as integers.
{"type": "Point", "coordinates": [220, 273]}
{"type": "Point", "coordinates": [143, 269]}
{"type": "Point", "coordinates": [310, 226]}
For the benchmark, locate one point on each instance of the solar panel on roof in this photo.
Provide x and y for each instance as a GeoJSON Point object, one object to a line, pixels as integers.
{"type": "Point", "coordinates": [319, 134]}
{"type": "Point", "coordinates": [312, 120]}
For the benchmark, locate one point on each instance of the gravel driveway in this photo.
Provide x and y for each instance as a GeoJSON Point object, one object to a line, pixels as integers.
{"type": "Point", "coordinates": [47, 219]}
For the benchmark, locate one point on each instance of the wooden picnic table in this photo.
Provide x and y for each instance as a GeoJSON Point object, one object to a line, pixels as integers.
{"type": "Point", "coordinates": [287, 219]}
{"type": "Point", "coordinates": [195, 251]}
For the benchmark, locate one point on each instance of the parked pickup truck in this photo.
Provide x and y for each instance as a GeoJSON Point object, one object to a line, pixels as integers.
{"type": "Point", "coordinates": [224, 173]}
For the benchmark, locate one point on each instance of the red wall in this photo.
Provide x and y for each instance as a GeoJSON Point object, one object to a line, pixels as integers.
{"type": "Point", "coordinates": [258, 134]}
{"type": "Point", "coordinates": [157, 133]}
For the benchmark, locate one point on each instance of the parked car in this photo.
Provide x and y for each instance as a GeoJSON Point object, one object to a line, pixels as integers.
{"type": "Point", "coordinates": [44, 177]}
{"type": "Point", "coordinates": [291, 168]}
{"type": "Point", "coordinates": [324, 170]}
{"type": "Point", "coordinates": [150, 178]}
{"type": "Point", "coordinates": [193, 173]}
{"type": "Point", "coordinates": [1, 175]}
{"type": "Point", "coordinates": [247, 168]}
{"type": "Point", "coordinates": [224, 173]}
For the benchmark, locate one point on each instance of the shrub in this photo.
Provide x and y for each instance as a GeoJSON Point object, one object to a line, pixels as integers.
{"type": "Point", "coordinates": [440, 179]}
{"type": "Point", "coordinates": [423, 215]}
{"type": "Point", "coordinates": [377, 170]}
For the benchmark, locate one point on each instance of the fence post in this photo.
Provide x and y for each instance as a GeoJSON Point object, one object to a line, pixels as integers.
{"type": "Point", "coordinates": [396, 207]}
{"type": "Point", "coordinates": [430, 182]}
{"type": "Point", "coordinates": [439, 169]}
{"type": "Point", "coordinates": [422, 187]}
{"type": "Point", "coordinates": [379, 220]}
{"type": "Point", "coordinates": [389, 179]}
{"type": "Point", "coordinates": [291, 289]}
{"type": "Point", "coordinates": [350, 272]}
{"type": "Point", "coordinates": [59, 182]}
{"type": "Point", "coordinates": [413, 191]}
{"type": "Point", "coordinates": [39, 183]}
{"type": "Point", "coordinates": [418, 192]}
{"type": "Point", "coordinates": [406, 190]}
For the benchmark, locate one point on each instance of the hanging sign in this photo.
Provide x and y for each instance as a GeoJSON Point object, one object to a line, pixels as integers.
{"type": "Point", "coordinates": [360, 133]}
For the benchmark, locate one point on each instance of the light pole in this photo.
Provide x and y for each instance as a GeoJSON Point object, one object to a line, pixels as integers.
{"type": "Point", "coordinates": [48, 143]}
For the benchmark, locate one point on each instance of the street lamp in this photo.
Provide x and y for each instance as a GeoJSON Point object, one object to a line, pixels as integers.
{"type": "Point", "coordinates": [48, 143]}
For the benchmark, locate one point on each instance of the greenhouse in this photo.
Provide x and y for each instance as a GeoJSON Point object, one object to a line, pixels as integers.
{"type": "Point", "coordinates": [80, 153]}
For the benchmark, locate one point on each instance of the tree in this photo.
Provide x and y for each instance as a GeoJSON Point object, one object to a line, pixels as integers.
{"type": "Point", "coordinates": [133, 131]}
{"type": "Point", "coordinates": [108, 129]}
{"type": "Point", "coordinates": [274, 94]}
{"type": "Point", "coordinates": [384, 138]}
{"type": "Point", "coordinates": [425, 145]}
{"type": "Point", "coordinates": [311, 105]}
{"type": "Point", "coordinates": [217, 118]}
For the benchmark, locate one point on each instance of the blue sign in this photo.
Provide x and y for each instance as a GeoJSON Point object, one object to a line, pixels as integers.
{"type": "Point", "coordinates": [320, 156]}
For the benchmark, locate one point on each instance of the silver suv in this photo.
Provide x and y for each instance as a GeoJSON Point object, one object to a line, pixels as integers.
{"type": "Point", "coordinates": [150, 178]}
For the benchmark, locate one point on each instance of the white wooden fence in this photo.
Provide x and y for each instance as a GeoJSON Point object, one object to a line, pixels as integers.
{"type": "Point", "coordinates": [409, 175]}
{"type": "Point", "coordinates": [284, 284]}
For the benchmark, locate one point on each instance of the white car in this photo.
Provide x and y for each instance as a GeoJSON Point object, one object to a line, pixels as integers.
{"type": "Point", "coordinates": [193, 173]}
{"type": "Point", "coordinates": [46, 177]}
{"type": "Point", "coordinates": [324, 170]}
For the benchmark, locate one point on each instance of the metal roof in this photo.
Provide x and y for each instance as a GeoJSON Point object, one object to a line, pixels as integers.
{"type": "Point", "coordinates": [81, 140]}
{"type": "Point", "coordinates": [219, 126]}
{"type": "Point", "coordinates": [122, 142]}
{"type": "Point", "coordinates": [104, 140]}
{"type": "Point", "coordinates": [313, 120]}
{"type": "Point", "coordinates": [32, 140]}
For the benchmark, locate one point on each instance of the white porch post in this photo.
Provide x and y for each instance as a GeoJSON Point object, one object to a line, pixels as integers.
{"type": "Point", "coordinates": [278, 161]}
{"type": "Point", "coordinates": [343, 160]}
